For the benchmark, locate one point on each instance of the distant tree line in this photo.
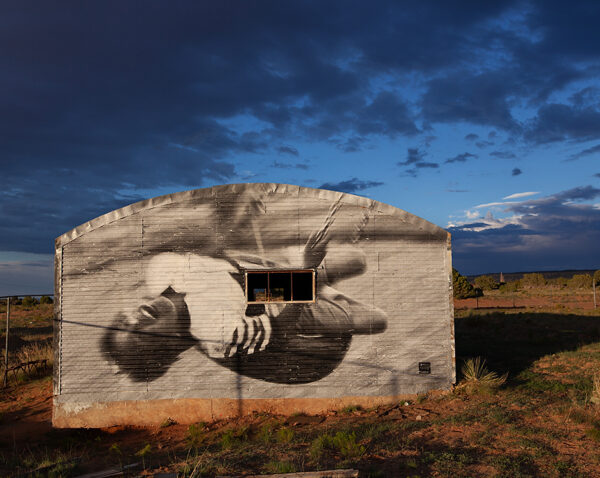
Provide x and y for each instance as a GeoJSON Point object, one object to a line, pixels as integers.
{"type": "Point", "coordinates": [29, 301]}
{"type": "Point", "coordinates": [463, 289]}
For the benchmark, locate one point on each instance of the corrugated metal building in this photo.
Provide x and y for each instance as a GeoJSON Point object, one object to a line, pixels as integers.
{"type": "Point", "coordinates": [248, 297]}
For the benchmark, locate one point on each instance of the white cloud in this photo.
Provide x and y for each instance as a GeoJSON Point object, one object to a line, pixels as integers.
{"type": "Point", "coordinates": [492, 204]}
{"type": "Point", "coordinates": [521, 195]}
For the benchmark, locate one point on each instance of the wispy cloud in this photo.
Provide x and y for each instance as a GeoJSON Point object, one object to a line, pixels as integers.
{"type": "Point", "coordinates": [493, 204]}
{"type": "Point", "coordinates": [585, 152]}
{"type": "Point", "coordinates": [415, 160]}
{"type": "Point", "coordinates": [285, 149]}
{"type": "Point", "coordinates": [521, 195]}
{"type": "Point", "coordinates": [277, 164]}
{"type": "Point", "coordinates": [351, 185]}
{"type": "Point", "coordinates": [516, 172]}
{"type": "Point", "coordinates": [552, 232]}
{"type": "Point", "coordinates": [460, 158]}
{"type": "Point", "coordinates": [503, 154]}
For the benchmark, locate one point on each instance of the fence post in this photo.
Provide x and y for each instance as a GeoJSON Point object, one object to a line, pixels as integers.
{"type": "Point", "coordinates": [6, 344]}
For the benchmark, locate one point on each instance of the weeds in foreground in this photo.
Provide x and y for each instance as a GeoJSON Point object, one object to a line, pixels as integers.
{"type": "Point", "coordinates": [343, 442]}
{"type": "Point", "coordinates": [449, 464]}
{"type": "Point", "coordinates": [195, 435]}
{"type": "Point", "coordinates": [265, 434]}
{"type": "Point", "coordinates": [167, 423]}
{"type": "Point", "coordinates": [519, 466]}
{"type": "Point", "coordinates": [595, 395]}
{"type": "Point", "coordinates": [202, 465]}
{"type": "Point", "coordinates": [280, 467]}
{"type": "Point", "coordinates": [44, 463]}
{"type": "Point", "coordinates": [594, 433]}
{"type": "Point", "coordinates": [144, 454]}
{"type": "Point", "coordinates": [233, 437]}
{"type": "Point", "coordinates": [351, 409]}
{"type": "Point", "coordinates": [285, 435]}
{"type": "Point", "coordinates": [477, 376]}
{"type": "Point", "coordinates": [347, 446]}
{"type": "Point", "coordinates": [30, 353]}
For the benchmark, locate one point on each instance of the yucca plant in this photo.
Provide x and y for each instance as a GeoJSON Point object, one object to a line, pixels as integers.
{"type": "Point", "coordinates": [476, 375]}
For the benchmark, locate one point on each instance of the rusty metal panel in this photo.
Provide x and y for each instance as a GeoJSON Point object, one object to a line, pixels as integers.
{"type": "Point", "coordinates": [151, 302]}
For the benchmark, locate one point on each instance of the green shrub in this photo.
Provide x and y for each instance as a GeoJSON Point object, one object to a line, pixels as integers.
{"type": "Point", "coordinates": [195, 435]}
{"type": "Point", "coordinates": [511, 286]}
{"type": "Point", "coordinates": [346, 444]}
{"type": "Point", "coordinates": [29, 301]}
{"type": "Point", "coordinates": [461, 287]}
{"type": "Point", "coordinates": [558, 282]}
{"type": "Point", "coordinates": [46, 300]}
{"type": "Point", "coordinates": [231, 437]}
{"type": "Point", "coordinates": [486, 283]}
{"type": "Point", "coordinates": [227, 440]}
{"type": "Point", "coordinates": [531, 281]}
{"type": "Point", "coordinates": [580, 281]}
{"type": "Point", "coordinates": [320, 445]}
{"type": "Point", "coordinates": [265, 435]}
{"type": "Point", "coordinates": [285, 435]}
{"type": "Point", "coordinates": [343, 442]}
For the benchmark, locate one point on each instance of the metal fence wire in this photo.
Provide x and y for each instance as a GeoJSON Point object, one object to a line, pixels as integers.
{"type": "Point", "coordinates": [19, 366]}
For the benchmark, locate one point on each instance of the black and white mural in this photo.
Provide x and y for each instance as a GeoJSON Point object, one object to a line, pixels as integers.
{"type": "Point", "coordinates": [252, 291]}
{"type": "Point", "coordinates": [279, 340]}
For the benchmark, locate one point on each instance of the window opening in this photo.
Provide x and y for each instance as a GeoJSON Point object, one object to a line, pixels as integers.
{"type": "Point", "coordinates": [280, 286]}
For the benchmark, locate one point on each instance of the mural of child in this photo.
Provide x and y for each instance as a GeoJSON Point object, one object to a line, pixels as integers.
{"type": "Point", "coordinates": [189, 300]}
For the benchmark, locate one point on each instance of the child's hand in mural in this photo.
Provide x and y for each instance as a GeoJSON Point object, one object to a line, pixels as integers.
{"type": "Point", "coordinates": [249, 334]}
{"type": "Point", "coordinates": [215, 301]}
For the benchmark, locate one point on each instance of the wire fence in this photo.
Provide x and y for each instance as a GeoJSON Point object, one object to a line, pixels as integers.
{"type": "Point", "coordinates": [579, 300]}
{"type": "Point", "coordinates": [7, 367]}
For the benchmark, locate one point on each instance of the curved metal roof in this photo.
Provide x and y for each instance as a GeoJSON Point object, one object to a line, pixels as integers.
{"type": "Point", "coordinates": [420, 224]}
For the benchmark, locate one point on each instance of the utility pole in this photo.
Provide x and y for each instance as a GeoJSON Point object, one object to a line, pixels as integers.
{"type": "Point", "coordinates": [6, 344]}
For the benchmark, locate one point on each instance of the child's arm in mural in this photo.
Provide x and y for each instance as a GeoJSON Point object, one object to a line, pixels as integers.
{"type": "Point", "coordinates": [214, 299]}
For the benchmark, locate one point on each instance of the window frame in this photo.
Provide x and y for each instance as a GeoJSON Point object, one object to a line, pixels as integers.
{"type": "Point", "coordinates": [278, 271]}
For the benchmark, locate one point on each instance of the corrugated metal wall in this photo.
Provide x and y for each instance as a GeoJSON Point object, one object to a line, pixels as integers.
{"type": "Point", "coordinates": [193, 242]}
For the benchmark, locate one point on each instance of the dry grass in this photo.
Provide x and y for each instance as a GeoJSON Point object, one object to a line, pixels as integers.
{"type": "Point", "coordinates": [30, 352]}
{"type": "Point", "coordinates": [595, 395]}
{"type": "Point", "coordinates": [34, 351]}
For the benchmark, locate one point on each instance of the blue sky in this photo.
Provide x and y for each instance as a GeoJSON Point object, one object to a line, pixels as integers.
{"type": "Point", "coordinates": [482, 117]}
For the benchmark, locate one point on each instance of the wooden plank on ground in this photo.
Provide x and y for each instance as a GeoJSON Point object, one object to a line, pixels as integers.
{"type": "Point", "coordinates": [306, 474]}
